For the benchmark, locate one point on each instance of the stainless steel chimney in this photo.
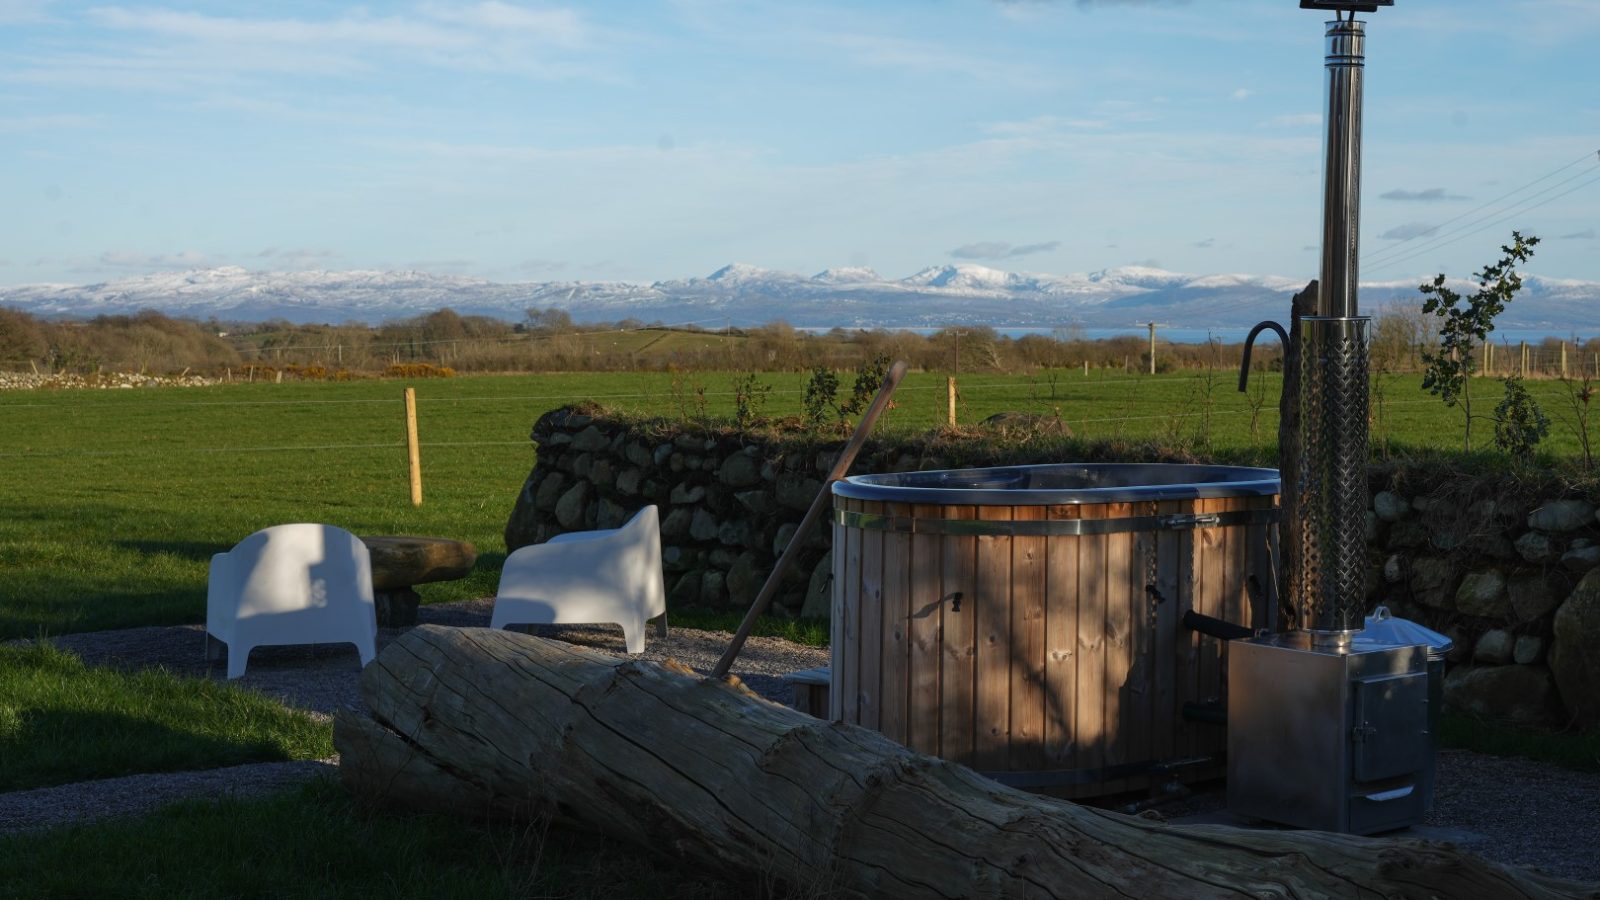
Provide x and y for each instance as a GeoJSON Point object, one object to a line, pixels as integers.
{"type": "Point", "coordinates": [1331, 493]}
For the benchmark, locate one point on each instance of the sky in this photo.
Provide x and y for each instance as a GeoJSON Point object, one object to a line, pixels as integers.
{"type": "Point", "coordinates": [641, 141]}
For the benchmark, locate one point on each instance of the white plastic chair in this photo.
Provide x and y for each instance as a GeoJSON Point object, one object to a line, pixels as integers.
{"type": "Point", "coordinates": [291, 584]}
{"type": "Point", "coordinates": [582, 577]}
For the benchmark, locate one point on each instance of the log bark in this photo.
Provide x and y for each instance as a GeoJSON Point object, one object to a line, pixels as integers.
{"type": "Point", "coordinates": [481, 722]}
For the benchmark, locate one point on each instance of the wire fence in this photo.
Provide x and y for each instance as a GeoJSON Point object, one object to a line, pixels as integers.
{"type": "Point", "coordinates": [1166, 405]}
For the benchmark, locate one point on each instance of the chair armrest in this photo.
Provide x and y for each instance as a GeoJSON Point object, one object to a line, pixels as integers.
{"type": "Point", "coordinates": [572, 536]}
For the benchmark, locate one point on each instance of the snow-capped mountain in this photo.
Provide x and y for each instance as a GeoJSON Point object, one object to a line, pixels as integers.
{"type": "Point", "coordinates": [749, 295]}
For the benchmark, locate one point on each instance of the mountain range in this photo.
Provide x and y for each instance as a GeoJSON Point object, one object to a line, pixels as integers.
{"type": "Point", "coordinates": [743, 295]}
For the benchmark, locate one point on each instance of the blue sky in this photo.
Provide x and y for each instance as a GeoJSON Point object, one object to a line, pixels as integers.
{"type": "Point", "coordinates": [641, 141]}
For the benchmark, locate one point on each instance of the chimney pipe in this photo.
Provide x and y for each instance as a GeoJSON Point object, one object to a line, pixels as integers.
{"type": "Point", "coordinates": [1332, 491]}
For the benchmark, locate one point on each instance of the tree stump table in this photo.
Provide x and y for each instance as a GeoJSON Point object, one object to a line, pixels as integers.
{"type": "Point", "coordinates": [400, 562]}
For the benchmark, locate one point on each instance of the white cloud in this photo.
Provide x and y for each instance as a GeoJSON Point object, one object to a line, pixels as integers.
{"type": "Point", "coordinates": [1426, 195]}
{"type": "Point", "coordinates": [1295, 120]}
{"type": "Point", "coordinates": [20, 124]}
{"type": "Point", "coordinates": [153, 48]}
{"type": "Point", "coordinates": [130, 259]}
{"type": "Point", "coordinates": [1001, 249]}
{"type": "Point", "coordinates": [1408, 231]}
{"type": "Point", "coordinates": [24, 12]}
{"type": "Point", "coordinates": [1241, 93]}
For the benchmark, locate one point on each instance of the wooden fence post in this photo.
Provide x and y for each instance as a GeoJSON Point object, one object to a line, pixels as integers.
{"type": "Point", "coordinates": [1563, 359]}
{"type": "Point", "coordinates": [951, 390]}
{"type": "Point", "coordinates": [1524, 359]}
{"type": "Point", "coordinates": [412, 451]}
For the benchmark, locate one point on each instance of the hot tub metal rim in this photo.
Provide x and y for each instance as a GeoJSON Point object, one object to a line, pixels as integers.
{"type": "Point", "coordinates": [1250, 482]}
{"type": "Point", "coordinates": [1052, 527]}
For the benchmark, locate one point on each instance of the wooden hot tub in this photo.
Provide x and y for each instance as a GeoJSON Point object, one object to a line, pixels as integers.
{"type": "Point", "coordinates": [1026, 621]}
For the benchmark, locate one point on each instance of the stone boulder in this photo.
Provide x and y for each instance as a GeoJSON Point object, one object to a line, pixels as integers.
{"type": "Point", "coordinates": [1581, 559]}
{"type": "Point", "coordinates": [1483, 594]}
{"type": "Point", "coordinates": [1524, 695]}
{"type": "Point", "coordinates": [1562, 515]}
{"type": "Point", "coordinates": [1575, 652]}
{"type": "Point", "coordinates": [1537, 547]}
{"type": "Point", "coordinates": [1532, 597]}
{"type": "Point", "coordinates": [1433, 582]}
{"type": "Point", "coordinates": [1494, 648]}
{"type": "Point", "coordinates": [1390, 507]}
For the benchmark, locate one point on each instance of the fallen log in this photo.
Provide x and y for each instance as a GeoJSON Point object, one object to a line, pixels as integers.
{"type": "Point", "coordinates": [480, 722]}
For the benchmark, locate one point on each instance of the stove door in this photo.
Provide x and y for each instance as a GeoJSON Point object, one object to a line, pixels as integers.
{"type": "Point", "coordinates": [1391, 726]}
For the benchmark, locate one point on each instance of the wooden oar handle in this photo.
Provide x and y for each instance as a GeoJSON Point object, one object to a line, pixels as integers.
{"type": "Point", "coordinates": [792, 551]}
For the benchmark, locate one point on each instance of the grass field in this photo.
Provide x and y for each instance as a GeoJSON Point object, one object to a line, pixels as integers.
{"type": "Point", "coordinates": [114, 501]}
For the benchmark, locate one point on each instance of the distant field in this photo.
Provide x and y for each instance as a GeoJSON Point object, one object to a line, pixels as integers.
{"type": "Point", "coordinates": [112, 502]}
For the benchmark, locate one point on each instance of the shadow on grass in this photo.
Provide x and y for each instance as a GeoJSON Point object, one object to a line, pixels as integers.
{"type": "Point", "coordinates": [316, 841]}
{"type": "Point", "coordinates": [58, 746]}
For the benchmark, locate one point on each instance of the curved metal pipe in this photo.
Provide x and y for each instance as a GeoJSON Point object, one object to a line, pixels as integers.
{"type": "Point", "coordinates": [1249, 341]}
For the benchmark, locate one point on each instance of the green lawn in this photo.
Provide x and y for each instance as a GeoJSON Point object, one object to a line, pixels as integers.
{"type": "Point", "coordinates": [317, 842]}
{"type": "Point", "coordinates": [113, 501]}
{"type": "Point", "coordinates": [61, 722]}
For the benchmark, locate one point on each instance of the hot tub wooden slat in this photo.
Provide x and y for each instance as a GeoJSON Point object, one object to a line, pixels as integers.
{"type": "Point", "coordinates": [929, 605]}
{"type": "Point", "coordinates": [1114, 665]}
{"type": "Point", "coordinates": [1027, 645]}
{"type": "Point", "coordinates": [1091, 646]}
{"type": "Point", "coordinates": [1165, 709]}
{"type": "Point", "coordinates": [958, 674]}
{"type": "Point", "coordinates": [870, 670]}
{"type": "Point", "coordinates": [1212, 601]}
{"type": "Point", "coordinates": [1061, 645]}
{"type": "Point", "coordinates": [849, 687]}
{"type": "Point", "coordinates": [1136, 649]}
{"type": "Point", "coordinates": [992, 606]}
{"type": "Point", "coordinates": [1188, 597]}
{"type": "Point", "coordinates": [895, 676]}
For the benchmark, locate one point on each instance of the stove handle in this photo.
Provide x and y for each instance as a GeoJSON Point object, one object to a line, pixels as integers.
{"type": "Point", "coordinates": [1249, 341]}
{"type": "Point", "coordinates": [1396, 794]}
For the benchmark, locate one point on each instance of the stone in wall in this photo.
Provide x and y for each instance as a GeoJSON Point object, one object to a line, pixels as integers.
{"type": "Point", "coordinates": [1433, 582]}
{"type": "Point", "coordinates": [1532, 597]}
{"type": "Point", "coordinates": [1494, 647]}
{"type": "Point", "coordinates": [1575, 652]}
{"type": "Point", "coordinates": [1525, 695]}
{"type": "Point", "coordinates": [1483, 594]}
{"type": "Point", "coordinates": [1537, 547]}
{"type": "Point", "coordinates": [1390, 507]}
{"type": "Point", "coordinates": [1562, 515]}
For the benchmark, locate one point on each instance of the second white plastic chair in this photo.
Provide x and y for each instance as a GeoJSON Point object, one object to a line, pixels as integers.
{"type": "Point", "coordinates": [584, 577]}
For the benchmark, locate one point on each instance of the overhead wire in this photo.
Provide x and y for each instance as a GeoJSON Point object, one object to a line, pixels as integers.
{"type": "Point", "coordinates": [1375, 255]}
{"type": "Point", "coordinates": [1459, 234]}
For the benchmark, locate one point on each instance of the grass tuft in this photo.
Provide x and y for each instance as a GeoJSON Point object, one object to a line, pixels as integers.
{"type": "Point", "coordinates": [62, 721]}
{"type": "Point", "coordinates": [317, 842]}
{"type": "Point", "coordinates": [1573, 750]}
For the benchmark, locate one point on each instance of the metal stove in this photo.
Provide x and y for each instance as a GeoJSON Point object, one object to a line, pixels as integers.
{"type": "Point", "coordinates": [1329, 727]}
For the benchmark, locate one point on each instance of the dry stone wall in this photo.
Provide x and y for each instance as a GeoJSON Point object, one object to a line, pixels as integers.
{"type": "Point", "coordinates": [1511, 574]}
